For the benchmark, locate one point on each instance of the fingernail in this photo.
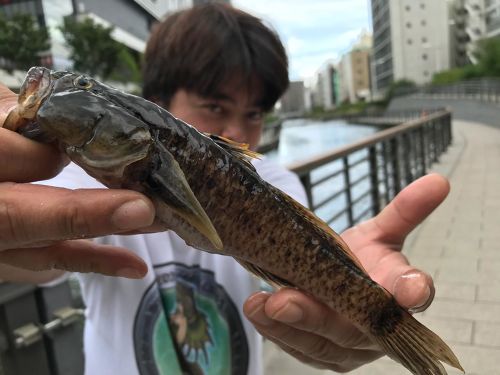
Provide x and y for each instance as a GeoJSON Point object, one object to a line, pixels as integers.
{"type": "Point", "coordinates": [133, 215]}
{"type": "Point", "coordinates": [289, 313]}
{"type": "Point", "coordinates": [427, 298]}
{"type": "Point", "coordinates": [258, 315]}
{"type": "Point", "coordinates": [130, 273]}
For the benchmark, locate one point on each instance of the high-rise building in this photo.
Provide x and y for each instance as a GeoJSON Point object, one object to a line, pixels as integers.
{"type": "Point", "coordinates": [492, 17]}
{"type": "Point", "coordinates": [411, 40]}
{"type": "Point", "coordinates": [293, 101]}
{"type": "Point", "coordinates": [325, 90]}
{"type": "Point", "coordinates": [468, 27]}
{"type": "Point", "coordinates": [354, 71]}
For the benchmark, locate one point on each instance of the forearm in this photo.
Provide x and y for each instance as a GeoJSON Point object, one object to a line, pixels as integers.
{"type": "Point", "coordinates": [19, 275]}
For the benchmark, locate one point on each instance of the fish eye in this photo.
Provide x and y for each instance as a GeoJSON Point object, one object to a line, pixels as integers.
{"type": "Point", "coordinates": [83, 82]}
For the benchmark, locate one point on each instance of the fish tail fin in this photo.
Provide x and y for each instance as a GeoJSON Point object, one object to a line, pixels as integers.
{"type": "Point", "coordinates": [417, 348]}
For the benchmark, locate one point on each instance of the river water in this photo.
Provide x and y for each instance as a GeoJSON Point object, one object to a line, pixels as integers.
{"type": "Point", "coordinates": [303, 139]}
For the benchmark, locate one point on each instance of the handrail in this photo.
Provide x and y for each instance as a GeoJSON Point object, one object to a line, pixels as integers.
{"type": "Point", "coordinates": [360, 185]}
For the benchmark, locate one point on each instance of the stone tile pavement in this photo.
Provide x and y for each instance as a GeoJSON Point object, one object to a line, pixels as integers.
{"type": "Point", "coordinates": [459, 244]}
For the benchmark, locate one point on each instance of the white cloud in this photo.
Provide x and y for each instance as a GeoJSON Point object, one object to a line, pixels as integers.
{"type": "Point", "coordinates": [313, 31]}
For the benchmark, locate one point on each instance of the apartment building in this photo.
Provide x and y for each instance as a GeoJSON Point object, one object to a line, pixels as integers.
{"type": "Point", "coordinates": [354, 71]}
{"type": "Point", "coordinates": [411, 40]}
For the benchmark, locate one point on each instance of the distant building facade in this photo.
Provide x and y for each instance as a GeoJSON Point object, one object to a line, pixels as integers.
{"type": "Point", "coordinates": [131, 19]}
{"type": "Point", "coordinates": [492, 17]}
{"type": "Point", "coordinates": [325, 90]}
{"type": "Point", "coordinates": [354, 69]}
{"type": "Point", "coordinates": [293, 101]}
{"type": "Point", "coordinates": [411, 40]}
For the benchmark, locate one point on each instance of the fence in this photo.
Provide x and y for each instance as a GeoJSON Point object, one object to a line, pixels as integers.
{"type": "Point", "coordinates": [355, 182]}
{"type": "Point", "coordinates": [486, 89]}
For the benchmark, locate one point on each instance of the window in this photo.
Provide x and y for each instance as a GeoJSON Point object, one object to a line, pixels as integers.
{"type": "Point", "coordinates": [410, 42]}
{"type": "Point", "coordinates": [426, 73]}
{"type": "Point", "coordinates": [422, 6]}
{"type": "Point", "coordinates": [408, 25]}
{"type": "Point", "coordinates": [424, 56]}
{"type": "Point", "coordinates": [423, 22]}
{"type": "Point", "coordinates": [408, 8]}
{"type": "Point", "coordinates": [424, 39]}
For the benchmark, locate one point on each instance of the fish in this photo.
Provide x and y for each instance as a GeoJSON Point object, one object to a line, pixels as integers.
{"type": "Point", "coordinates": [205, 189]}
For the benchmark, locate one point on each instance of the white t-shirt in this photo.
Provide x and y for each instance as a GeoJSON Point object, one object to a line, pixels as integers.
{"type": "Point", "coordinates": [201, 295]}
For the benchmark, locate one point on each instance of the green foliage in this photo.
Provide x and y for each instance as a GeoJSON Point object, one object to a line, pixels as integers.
{"type": "Point", "coordinates": [127, 68]}
{"type": "Point", "coordinates": [92, 48]}
{"type": "Point", "coordinates": [399, 87]}
{"type": "Point", "coordinates": [488, 53]}
{"type": "Point", "coordinates": [22, 40]}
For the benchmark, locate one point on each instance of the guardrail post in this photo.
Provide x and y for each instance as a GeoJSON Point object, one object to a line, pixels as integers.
{"type": "Point", "coordinates": [372, 157]}
{"type": "Point", "coordinates": [396, 172]}
{"type": "Point", "coordinates": [306, 182]}
{"type": "Point", "coordinates": [347, 180]}
{"type": "Point", "coordinates": [386, 172]}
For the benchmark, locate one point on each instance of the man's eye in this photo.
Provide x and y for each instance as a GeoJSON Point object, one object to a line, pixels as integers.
{"type": "Point", "coordinates": [214, 108]}
{"type": "Point", "coordinates": [255, 116]}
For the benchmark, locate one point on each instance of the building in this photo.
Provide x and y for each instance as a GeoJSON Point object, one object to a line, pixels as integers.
{"type": "Point", "coordinates": [468, 25]}
{"type": "Point", "coordinates": [325, 89]}
{"type": "Point", "coordinates": [131, 19]}
{"type": "Point", "coordinates": [293, 101]}
{"type": "Point", "coordinates": [492, 17]}
{"type": "Point", "coordinates": [354, 71]}
{"type": "Point", "coordinates": [411, 40]}
{"type": "Point", "coordinates": [174, 5]}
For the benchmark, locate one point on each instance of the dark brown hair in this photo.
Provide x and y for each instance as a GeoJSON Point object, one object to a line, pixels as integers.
{"type": "Point", "coordinates": [202, 48]}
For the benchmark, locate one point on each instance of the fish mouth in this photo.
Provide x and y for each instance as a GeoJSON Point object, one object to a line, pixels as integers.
{"type": "Point", "coordinates": [36, 87]}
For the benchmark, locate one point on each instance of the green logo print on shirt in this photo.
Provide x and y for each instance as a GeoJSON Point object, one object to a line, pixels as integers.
{"type": "Point", "coordinates": [187, 324]}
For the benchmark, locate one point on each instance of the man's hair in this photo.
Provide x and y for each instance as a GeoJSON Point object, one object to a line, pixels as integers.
{"type": "Point", "coordinates": [202, 48]}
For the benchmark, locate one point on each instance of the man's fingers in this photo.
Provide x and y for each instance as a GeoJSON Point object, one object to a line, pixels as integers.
{"type": "Point", "coordinates": [24, 160]}
{"type": "Point", "coordinates": [304, 313]}
{"type": "Point", "coordinates": [30, 214]}
{"type": "Point", "coordinates": [77, 256]}
{"type": "Point", "coordinates": [411, 206]}
{"type": "Point", "coordinates": [316, 343]}
{"type": "Point", "coordinates": [8, 100]}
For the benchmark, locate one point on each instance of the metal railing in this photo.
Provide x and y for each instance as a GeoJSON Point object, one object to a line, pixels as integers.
{"type": "Point", "coordinates": [485, 89]}
{"type": "Point", "coordinates": [355, 182]}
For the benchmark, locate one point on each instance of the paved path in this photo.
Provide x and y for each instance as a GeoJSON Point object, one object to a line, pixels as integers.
{"type": "Point", "coordinates": [460, 246]}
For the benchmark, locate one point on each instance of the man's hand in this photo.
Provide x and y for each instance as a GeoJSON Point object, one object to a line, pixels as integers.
{"type": "Point", "coordinates": [42, 228]}
{"type": "Point", "coordinates": [317, 335]}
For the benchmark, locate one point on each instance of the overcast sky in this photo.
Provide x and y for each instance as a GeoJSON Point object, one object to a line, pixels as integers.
{"type": "Point", "coordinates": [313, 31]}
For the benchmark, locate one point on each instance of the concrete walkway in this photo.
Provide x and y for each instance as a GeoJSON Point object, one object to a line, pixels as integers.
{"type": "Point", "coordinates": [459, 244]}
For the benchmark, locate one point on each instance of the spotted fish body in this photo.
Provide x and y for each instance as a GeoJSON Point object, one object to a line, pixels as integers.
{"type": "Point", "coordinates": [205, 189]}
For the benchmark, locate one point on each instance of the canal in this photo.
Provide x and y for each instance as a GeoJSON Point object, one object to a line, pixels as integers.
{"type": "Point", "coordinates": [302, 139]}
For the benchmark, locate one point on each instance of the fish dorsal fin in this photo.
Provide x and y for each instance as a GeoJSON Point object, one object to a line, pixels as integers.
{"type": "Point", "coordinates": [311, 217]}
{"type": "Point", "coordinates": [268, 277]}
{"type": "Point", "coordinates": [238, 150]}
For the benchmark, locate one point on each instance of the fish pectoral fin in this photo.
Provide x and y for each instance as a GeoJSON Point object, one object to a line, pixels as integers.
{"type": "Point", "coordinates": [268, 277]}
{"type": "Point", "coordinates": [169, 183]}
{"type": "Point", "coordinates": [238, 150]}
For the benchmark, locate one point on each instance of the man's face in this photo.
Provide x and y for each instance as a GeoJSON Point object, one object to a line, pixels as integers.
{"type": "Point", "coordinates": [232, 113]}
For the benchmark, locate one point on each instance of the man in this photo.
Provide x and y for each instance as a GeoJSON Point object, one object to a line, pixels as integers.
{"type": "Point", "coordinates": [219, 69]}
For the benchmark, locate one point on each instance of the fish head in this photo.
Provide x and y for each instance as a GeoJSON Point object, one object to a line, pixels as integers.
{"type": "Point", "coordinates": [88, 120]}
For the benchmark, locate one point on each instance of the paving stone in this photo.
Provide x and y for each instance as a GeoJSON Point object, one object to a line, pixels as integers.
{"type": "Point", "coordinates": [479, 311]}
{"type": "Point", "coordinates": [456, 291]}
{"type": "Point", "coordinates": [489, 292]}
{"type": "Point", "coordinates": [487, 334]}
{"type": "Point", "coordinates": [450, 330]}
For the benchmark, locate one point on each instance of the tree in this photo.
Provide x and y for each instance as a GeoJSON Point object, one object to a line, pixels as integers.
{"type": "Point", "coordinates": [22, 41]}
{"type": "Point", "coordinates": [92, 48]}
{"type": "Point", "coordinates": [488, 53]}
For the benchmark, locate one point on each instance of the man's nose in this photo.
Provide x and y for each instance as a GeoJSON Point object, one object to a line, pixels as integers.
{"type": "Point", "coordinates": [235, 131]}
